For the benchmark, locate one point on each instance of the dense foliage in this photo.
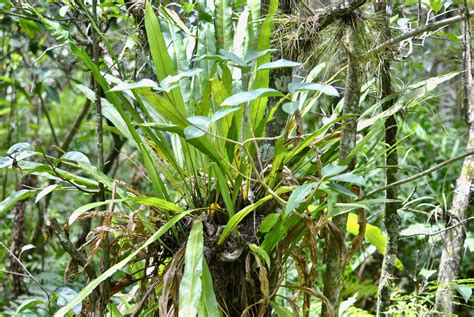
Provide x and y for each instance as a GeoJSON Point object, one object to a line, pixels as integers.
{"type": "Point", "coordinates": [218, 157]}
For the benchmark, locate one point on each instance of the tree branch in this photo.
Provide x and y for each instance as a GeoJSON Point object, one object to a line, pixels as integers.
{"type": "Point", "coordinates": [426, 28]}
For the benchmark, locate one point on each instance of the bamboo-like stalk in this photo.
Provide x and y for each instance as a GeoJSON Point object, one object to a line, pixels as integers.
{"type": "Point", "coordinates": [335, 253]}
{"type": "Point", "coordinates": [453, 239]}
{"type": "Point", "coordinates": [105, 261]}
{"type": "Point", "coordinates": [391, 218]}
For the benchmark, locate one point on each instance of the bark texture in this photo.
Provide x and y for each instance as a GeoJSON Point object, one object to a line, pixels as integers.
{"type": "Point", "coordinates": [453, 239]}
{"type": "Point", "coordinates": [391, 218]}
{"type": "Point", "coordinates": [335, 252]}
{"type": "Point", "coordinates": [18, 238]}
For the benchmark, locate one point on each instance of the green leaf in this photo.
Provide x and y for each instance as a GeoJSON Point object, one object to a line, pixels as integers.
{"type": "Point", "coordinates": [281, 311]}
{"type": "Point", "coordinates": [190, 288]}
{"type": "Point", "coordinates": [11, 200]}
{"type": "Point", "coordinates": [26, 248]}
{"type": "Point", "coordinates": [261, 253]}
{"type": "Point", "coordinates": [30, 303]}
{"type": "Point", "coordinates": [76, 157]}
{"type": "Point", "coordinates": [164, 65]}
{"type": "Point", "coordinates": [172, 79]}
{"type": "Point", "coordinates": [331, 170]}
{"type": "Point", "coordinates": [208, 306]}
{"type": "Point", "coordinates": [262, 77]}
{"type": "Point", "coordinates": [372, 233]}
{"type": "Point", "coordinates": [144, 83]}
{"type": "Point", "coordinates": [464, 290]}
{"type": "Point", "coordinates": [86, 291]}
{"type": "Point", "coordinates": [79, 211]}
{"type": "Point", "coordinates": [45, 192]}
{"type": "Point", "coordinates": [223, 189]}
{"type": "Point", "coordinates": [281, 63]}
{"type": "Point", "coordinates": [247, 96]}
{"type": "Point", "coordinates": [436, 5]}
{"type": "Point", "coordinates": [297, 197]}
{"type": "Point", "coordinates": [349, 178]}
{"type": "Point", "coordinates": [200, 125]}
{"type": "Point", "coordinates": [223, 113]}
{"type": "Point", "coordinates": [157, 203]}
{"type": "Point", "coordinates": [223, 24]}
{"type": "Point", "coordinates": [238, 217]}
{"type": "Point", "coordinates": [269, 221]}
{"type": "Point", "coordinates": [290, 107]}
{"type": "Point", "coordinates": [325, 89]}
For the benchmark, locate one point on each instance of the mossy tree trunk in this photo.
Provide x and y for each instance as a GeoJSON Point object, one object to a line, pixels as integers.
{"type": "Point", "coordinates": [453, 239]}
{"type": "Point", "coordinates": [335, 253]}
{"type": "Point", "coordinates": [391, 218]}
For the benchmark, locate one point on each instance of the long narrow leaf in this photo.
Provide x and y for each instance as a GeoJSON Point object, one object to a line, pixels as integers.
{"type": "Point", "coordinates": [190, 288]}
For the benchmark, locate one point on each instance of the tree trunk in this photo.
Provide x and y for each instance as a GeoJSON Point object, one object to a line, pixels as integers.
{"type": "Point", "coordinates": [335, 253]}
{"type": "Point", "coordinates": [453, 239]}
{"type": "Point", "coordinates": [391, 217]}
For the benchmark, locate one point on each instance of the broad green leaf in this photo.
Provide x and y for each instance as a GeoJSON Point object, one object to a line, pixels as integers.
{"type": "Point", "coordinates": [372, 233]}
{"type": "Point", "coordinates": [261, 253]}
{"type": "Point", "coordinates": [349, 178]}
{"type": "Point", "coordinates": [290, 107]}
{"type": "Point", "coordinates": [464, 290]}
{"type": "Point", "coordinates": [172, 79]}
{"type": "Point", "coordinates": [157, 203]}
{"type": "Point", "coordinates": [325, 89]}
{"type": "Point", "coordinates": [86, 291]}
{"type": "Point", "coordinates": [269, 221]}
{"type": "Point", "coordinates": [164, 65]}
{"type": "Point", "coordinates": [200, 125]}
{"type": "Point", "coordinates": [253, 55]}
{"type": "Point", "coordinates": [144, 83]}
{"type": "Point", "coordinates": [222, 113]}
{"type": "Point", "coordinates": [281, 63]}
{"type": "Point", "coordinates": [208, 306]}
{"type": "Point", "coordinates": [81, 210]}
{"type": "Point", "coordinates": [247, 96]}
{"type": "Point", "coordinates": [223, 24]}
{"type": "Point", "coordinates": [436, 5]}
{"type": "Point", "coordinates": [45, 192]}
{"type": "Point", "coordinates": [297, 197]}
{"type": "Point", "coordinates": [76, 157]}
{"type": "Point", "coordinates": [262, 77]}
{"type": "Point", "coordinates": [190, 288]}
{"type": "Point", "coordinates": [11, 200]}
{"type": "Point", "coordinates": [331, 170]}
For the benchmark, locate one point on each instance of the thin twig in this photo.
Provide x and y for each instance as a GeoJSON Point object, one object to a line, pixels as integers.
{"type": "Point", "coordinates": [418, 31]}
{"type": "Point", "coordinates": [419, 175]}
{"type": "Point", "coordinates": [430, 234]}
{"type": "Point", "coordinates": [26, 270]}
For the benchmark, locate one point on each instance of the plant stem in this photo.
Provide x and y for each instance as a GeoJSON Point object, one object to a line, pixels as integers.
{"type": "Point", "coordinates": [105, 262]}
{"type": "Point", "coordinates": [391, 218]}
{"type": "Point", "coordinates": [335, 253]}
{"type": "Point", "coordinates": [453, 240]}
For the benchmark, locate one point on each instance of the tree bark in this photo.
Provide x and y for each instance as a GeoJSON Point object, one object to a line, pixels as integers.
{"type": "Point", "coordinates": [391, 218]}
{"type": "Point", "coordinates": [453, 239]}
{"type": "Point", "coordinates": [335, 253]}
